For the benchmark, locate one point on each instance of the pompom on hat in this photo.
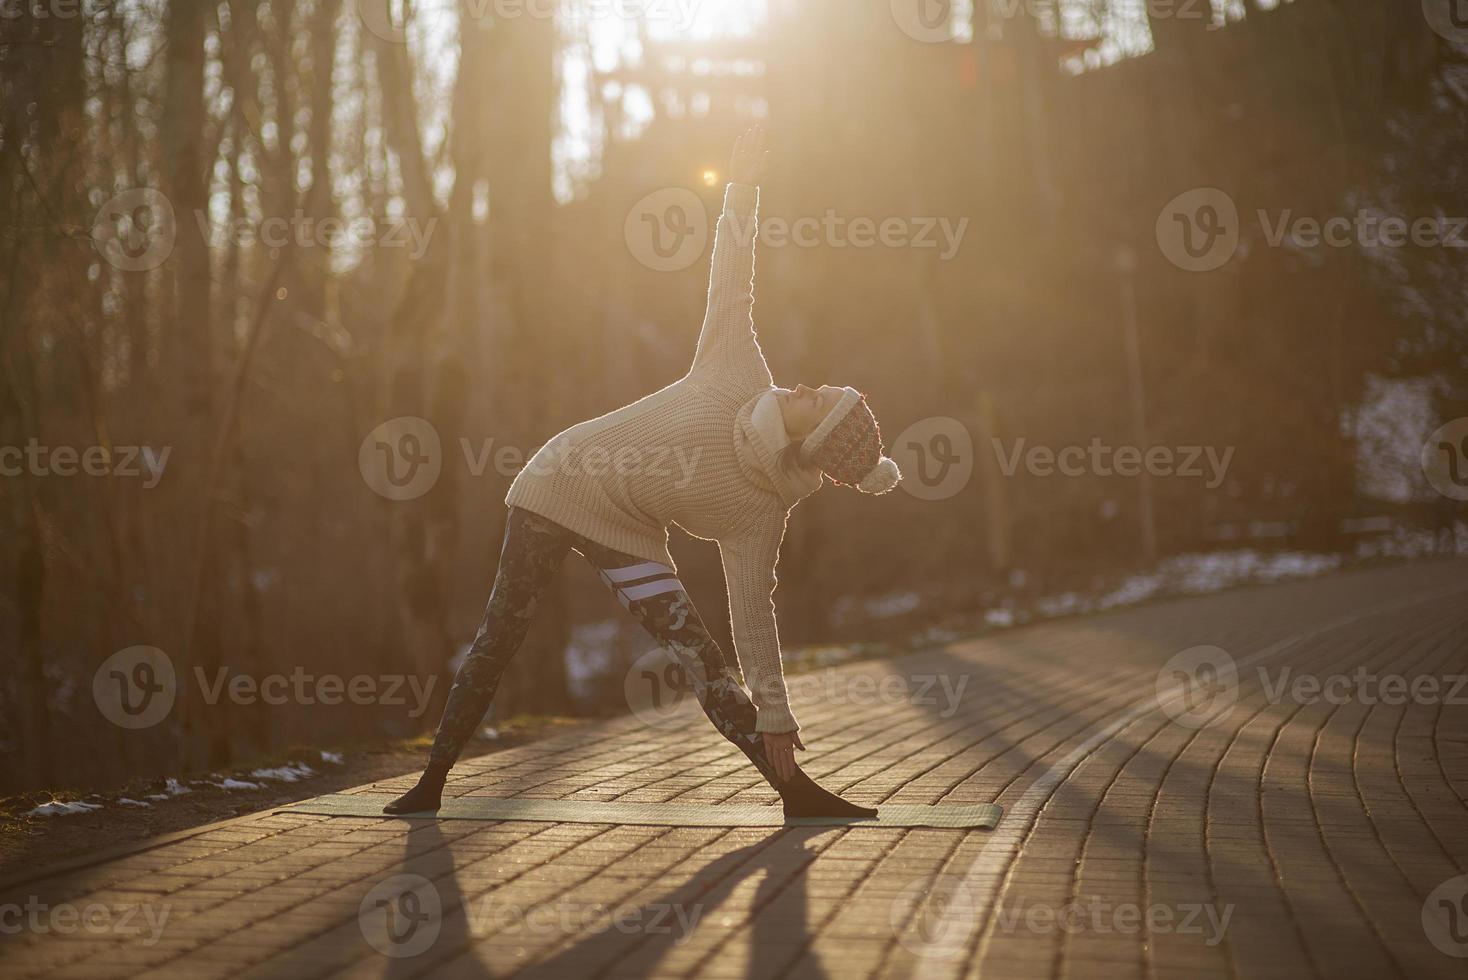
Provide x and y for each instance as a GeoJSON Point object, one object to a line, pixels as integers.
{"type": "Point", "coordinates": [847, 446]}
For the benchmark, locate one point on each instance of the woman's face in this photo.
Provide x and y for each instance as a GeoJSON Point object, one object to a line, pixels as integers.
{"type": "Point", "coordinates": [804, 408]}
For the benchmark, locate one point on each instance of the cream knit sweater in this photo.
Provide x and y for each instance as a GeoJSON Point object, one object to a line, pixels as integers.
{"type": "Point", "coordinates": [692, 455]}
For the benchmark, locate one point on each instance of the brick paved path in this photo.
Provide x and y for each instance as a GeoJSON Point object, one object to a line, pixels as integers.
{"type": "Point", "coordinates": [1291, 835]}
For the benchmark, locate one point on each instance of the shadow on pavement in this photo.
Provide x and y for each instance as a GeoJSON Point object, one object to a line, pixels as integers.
{"type": "Point", "coordinates": [774, 941]}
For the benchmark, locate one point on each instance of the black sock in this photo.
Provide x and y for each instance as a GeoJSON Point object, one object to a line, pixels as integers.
{"type": "Point", "coordinates": [803, 798]}
{"type": "Point", "coordinates": [427, 796]}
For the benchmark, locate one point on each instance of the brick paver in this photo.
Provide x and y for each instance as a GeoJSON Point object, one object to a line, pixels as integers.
{"type": "Point", "coordinates": [1290, 835]}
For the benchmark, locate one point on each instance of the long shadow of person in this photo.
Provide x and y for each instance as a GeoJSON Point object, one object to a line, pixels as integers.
{"type": "Point", "coordinates": [417, 917]}
{"type": "Point", "coordinates": [777, 913]}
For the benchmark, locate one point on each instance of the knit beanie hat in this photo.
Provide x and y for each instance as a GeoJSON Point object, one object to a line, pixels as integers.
{"type": "Point", "coordinates": [847, 446]}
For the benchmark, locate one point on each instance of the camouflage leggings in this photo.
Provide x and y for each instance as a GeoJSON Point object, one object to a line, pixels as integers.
{"type": "Point", "coordinates": [533, 550]}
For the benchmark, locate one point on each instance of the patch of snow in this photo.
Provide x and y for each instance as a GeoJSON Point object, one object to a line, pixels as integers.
{"type": "Point", "coordinates": [1196, 574]}
{"type": "Point", "coordinates": [849, 609]}
{"type": "Point", "coordinates": [1064, 604]}
{"type": "Point", "coordinates": [1417, 543]}
{"type": "Point", "coordinates": [1296, 564]}
{"type": "Point", "coordinates": [127, 802]}
{"type": "Point", "coordinates": [1199, 574]}
{"type": "Point", "coordinates": [1138, 588]}
{"type": "Point", "coordinates": [171, 787]}
{"type": "Point", "coordinates": [230, 782]}
{"type": "Point", "coordinates": [895, 604]}
{"type": "Point", "coordinates": [287, 773]}
{"type": "Point", "coordinates": [999, 617]}
{"type": "Point", "coordinates": [331, 758]}
{"type": "Point", "coordinates": [57, 808]}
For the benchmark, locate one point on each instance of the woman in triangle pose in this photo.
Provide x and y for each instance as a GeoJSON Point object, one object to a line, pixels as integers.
{"type": "Point", "coordinates": [747, 453]}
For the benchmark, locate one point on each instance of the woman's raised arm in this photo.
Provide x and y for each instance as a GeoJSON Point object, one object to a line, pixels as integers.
{"type": "Point", "coordinates": [727, 341]}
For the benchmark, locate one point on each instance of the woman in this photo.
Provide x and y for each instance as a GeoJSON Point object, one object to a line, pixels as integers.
{"type": "Point", "coordinates": [605, 488]}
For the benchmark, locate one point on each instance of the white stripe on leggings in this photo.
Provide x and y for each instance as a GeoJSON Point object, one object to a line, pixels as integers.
{"type": "Point", "coordinates": [645, 570]}
{"type": "Point", "coordinates": [646, 589]}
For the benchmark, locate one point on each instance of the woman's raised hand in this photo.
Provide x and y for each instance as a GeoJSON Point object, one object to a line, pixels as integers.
{"type": "Point", "coordinates": [747, 164]}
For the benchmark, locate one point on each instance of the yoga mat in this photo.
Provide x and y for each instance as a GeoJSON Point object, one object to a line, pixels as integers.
{"type": "Point", "coordinates": [956, 815]}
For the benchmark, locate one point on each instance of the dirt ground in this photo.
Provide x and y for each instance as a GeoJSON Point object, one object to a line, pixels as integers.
{"type": "Point", "coordinates": [30, 843]}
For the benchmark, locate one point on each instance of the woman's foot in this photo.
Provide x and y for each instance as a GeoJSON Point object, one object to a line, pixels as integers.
{"type": "Point", "coordinates": [426, 797]}
{"type": "Point", "coordinates": [803, 798]}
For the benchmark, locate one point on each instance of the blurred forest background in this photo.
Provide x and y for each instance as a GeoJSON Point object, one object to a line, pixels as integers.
{"type": "Point", "coordinates": [516, 145]}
